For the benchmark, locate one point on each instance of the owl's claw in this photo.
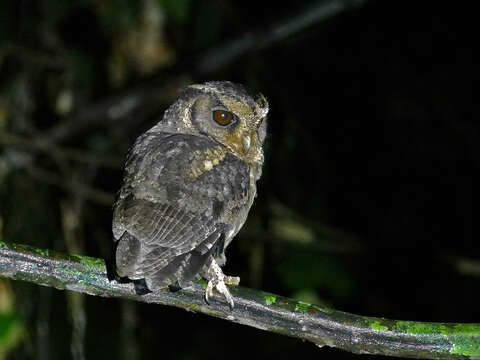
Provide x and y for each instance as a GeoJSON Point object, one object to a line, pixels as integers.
{"type": "Point", "coordinates": [219, 282]}
{"type": "Point", "coordinates": [222, 289]}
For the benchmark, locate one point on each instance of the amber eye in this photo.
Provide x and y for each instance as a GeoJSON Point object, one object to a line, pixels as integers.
{"type": "Point", "coordinates": [223, 117]}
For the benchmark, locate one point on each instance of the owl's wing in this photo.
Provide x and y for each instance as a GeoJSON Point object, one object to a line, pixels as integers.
{"type": "Point", "coordinates": [166, 230]}
{"type": "Point", "coordinates": [162, 237]}
{"type": "Point", "coordinates": [164, 243]}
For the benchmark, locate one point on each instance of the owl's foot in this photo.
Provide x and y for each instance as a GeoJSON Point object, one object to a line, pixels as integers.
{"type": "Point", "coordinates": [219, 281]}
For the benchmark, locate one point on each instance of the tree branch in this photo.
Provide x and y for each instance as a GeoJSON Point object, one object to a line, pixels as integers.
{"type": "Point", "coordinates": [322, 326]}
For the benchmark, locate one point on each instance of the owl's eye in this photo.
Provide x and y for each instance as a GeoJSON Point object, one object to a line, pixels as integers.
{"type": "Point", "coordinates": [223, 117]}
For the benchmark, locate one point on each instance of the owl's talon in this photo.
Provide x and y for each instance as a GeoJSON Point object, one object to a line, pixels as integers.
{"type": "Point", "coordinates": [209, 292]}
{"type": "Point", "coordinates": [219, 281]}
{"type": "Point", "coordinates": [220, 286]}
{"type": "Point", "coordinates": [222, 289]}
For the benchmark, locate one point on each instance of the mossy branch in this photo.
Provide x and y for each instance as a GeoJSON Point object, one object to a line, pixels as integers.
{"type": "Point", "coordinates": [322, 326]}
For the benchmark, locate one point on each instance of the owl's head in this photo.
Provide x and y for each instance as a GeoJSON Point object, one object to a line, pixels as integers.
{"type": "Point", "coordinates": [224, 112]}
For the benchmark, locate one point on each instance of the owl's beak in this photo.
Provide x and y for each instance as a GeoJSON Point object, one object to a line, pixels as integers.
{"type": "Point", "coordinates": [251, 146]}
{"type": "Point", "coordinates": [247, 139]}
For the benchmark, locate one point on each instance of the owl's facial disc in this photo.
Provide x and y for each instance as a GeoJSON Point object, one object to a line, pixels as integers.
{"type": "Point", "coordinates": [230, 122]}
{"type": "Point", "coordinates": [243, 138]}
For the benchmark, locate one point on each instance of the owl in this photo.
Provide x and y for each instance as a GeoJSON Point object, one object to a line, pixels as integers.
{"type": "Point", "coordinates": [188, 186]}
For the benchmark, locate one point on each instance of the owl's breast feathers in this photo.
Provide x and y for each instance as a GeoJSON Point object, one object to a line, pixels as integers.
{"type": "Point", "coordinates": [184, 197]}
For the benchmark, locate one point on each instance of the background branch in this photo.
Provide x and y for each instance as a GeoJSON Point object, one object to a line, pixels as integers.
{"type": "Point", "coordinates": [322, 326]}
{"type": "Point", "coordinates": [61, 152]}
{"type": "Point", "coordinates": [161, 89]}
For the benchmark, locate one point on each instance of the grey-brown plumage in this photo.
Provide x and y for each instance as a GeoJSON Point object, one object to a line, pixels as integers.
{"type": "Point", "coordinates": [188, 186]}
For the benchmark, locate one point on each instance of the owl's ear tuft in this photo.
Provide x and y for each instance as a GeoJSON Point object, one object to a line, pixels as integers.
{"type": "Point", "coordinates": [262, 106]}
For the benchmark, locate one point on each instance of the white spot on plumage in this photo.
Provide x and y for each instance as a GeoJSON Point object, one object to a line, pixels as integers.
{"type": "Point", "coordinates": [208, 165]}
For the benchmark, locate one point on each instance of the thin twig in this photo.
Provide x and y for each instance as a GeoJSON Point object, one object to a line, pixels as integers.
{"type": "Point", "coordinates": [322, 326]}
{"type": "Point", "coordinates": [224, 54]}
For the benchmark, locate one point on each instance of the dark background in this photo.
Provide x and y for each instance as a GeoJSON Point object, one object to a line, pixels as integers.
{"type": "Point", "coordinates": [368, 194]}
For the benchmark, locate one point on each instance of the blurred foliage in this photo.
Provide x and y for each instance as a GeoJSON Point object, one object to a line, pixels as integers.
{"type": "Point", "coordinates": [11, 327]}
{"type": "Point", "coordinates": [177, 10]}
{"type": "Point", "coordinates": [304, 270]}
{"type": "Point", "coordinates": [369, 188]}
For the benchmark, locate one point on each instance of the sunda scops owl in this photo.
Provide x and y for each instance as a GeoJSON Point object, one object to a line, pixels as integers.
{"type": "Point", "coordinates": [188, 186]}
